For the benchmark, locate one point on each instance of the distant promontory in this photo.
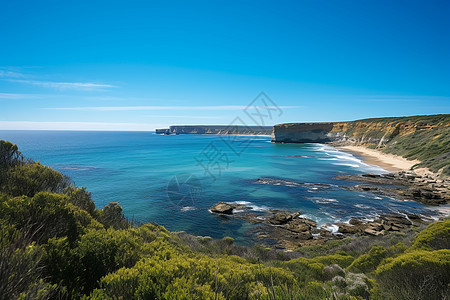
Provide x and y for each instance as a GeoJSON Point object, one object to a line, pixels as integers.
{"type": "Point", "coordinates": [216, 129]}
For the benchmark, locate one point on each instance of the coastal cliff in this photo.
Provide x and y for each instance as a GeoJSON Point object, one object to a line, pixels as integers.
{"type": "Point", "coordinates": [426, 138]}
{"type": "Point", "coordinates": [216, 129]}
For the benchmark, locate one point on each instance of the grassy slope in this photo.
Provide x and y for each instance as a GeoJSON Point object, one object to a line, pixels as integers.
{"type": "Point", "coordinates": [426, 138]}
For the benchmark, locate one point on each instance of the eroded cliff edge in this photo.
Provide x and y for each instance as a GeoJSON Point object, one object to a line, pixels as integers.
{"type": "Point", "coordinates": [216, 129]}
{"type": "Point", "coordinates": [426, 138]}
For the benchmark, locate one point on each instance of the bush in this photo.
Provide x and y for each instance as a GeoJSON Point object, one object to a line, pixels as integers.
{"type": "Point", "coordinates": [342, 260]}
{"type": "Point", "coordinates": [81, 198]}
{"type": "Point", "coordinates": [46, 215]}
{"type": "Point", "coordinates": [416, 275]}
{"type": "Point", "coordinates": [193, 277]}
{"type": "Point", "coordinates": [9, 155]}
{"type": "Point", "coordinates": [435, 237]}
{"type": "Point", "coordinates": [367, 263]}
{"type": "Point", "coordinates": [112, 216]}
{"type": "Point", "coordinates": [30, 179]}
{"type": "Point", "coordinates": [21, 271]}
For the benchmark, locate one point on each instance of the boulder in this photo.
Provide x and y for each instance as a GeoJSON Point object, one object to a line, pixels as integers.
{"type": "Point", "coordinates": [376, 226]}
{"type": "Point", "coordinates": [371, 231]}
{"type": "Point", "coordinates": [347, 228]}
{"type": "Point", "coordinates": [395, 219]}
{"type": "Point", "coordinates": [297, 225]}
{"type": "Point", "coordinates": [354, 221]}
{"type": "Point", "coordinates": [306, 235]}
{"type": "Point", "coordinates": [326, 233]}
{"type": "Point", "coordinates": [281, 217]}
{"type": "Point", "coordinates": [222, 208]}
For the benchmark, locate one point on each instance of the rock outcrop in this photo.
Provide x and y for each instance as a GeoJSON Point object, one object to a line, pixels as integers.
{"type": "Point", "coordinates": [377, 132]}
{"type": "Point", "coordinates": [426, 189]}
{"type": "Point", "coordinates": [162, 131]}
{"type": "Point", "coordinates": [288, 230]}
{"type": "Point", "coordinates": [424, 138]}
{"type": "Point", "coordinates": [218, 129]}
{"type": "Point", "coordinates": [226, 208]}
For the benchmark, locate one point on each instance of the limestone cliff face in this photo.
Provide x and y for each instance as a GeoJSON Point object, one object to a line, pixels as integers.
{"type": "Point", "coordinates": [213, 129]}
{"type": "Point", "coordinates": [303, 133]}
{"type": "Point", "coordinates": [377, 132]}
{"type": "Point", "coordinates": [162, 131]}
{"type": "Point", "coordinates": [426, 138]}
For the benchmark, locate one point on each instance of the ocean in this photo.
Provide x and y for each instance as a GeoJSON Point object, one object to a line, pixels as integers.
{"type": "Point", "coordinates": [172, 180]}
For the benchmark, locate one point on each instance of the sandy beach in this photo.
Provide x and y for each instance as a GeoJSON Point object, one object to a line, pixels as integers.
{"type": "Point", "coordinates": [386, 161]}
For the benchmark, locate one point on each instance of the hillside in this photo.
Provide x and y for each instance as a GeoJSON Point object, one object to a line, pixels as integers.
{"type": "Point", "coordinates": [426, 138]}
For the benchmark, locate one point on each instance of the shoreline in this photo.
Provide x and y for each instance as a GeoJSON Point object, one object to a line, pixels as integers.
{"type": "Point", "coordinates": [388, 162]}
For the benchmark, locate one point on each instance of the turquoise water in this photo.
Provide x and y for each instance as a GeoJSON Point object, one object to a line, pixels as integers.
{"type": "Point", "coordinates": [173, 180]}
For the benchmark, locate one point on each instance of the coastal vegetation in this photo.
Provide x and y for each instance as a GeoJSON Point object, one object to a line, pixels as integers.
{"type": "Point", "coordinates": [425, 138]}
{"type": "Point", "coordinates": [55, 244]}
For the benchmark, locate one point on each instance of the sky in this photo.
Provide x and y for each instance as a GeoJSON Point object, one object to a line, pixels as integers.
{"type": "Point", "coordinates": [141, 65]}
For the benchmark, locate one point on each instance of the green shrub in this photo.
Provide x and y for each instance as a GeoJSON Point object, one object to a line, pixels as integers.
{"type": "Point", "coordinates": [436, 236]}
{"type": "Point", "coordinates": [30, 179]}
{"type": "Point", "coordinates": [112, 216]}
{"type": "Point", "coordinates": [342, 260]}
{"type": "Point", "coordinates": [46, 215]}
{"type": "Point", "coordinates": [21, 272]}
{"type": "Point", "coordinates": [367, 263]}
{"type": "Point", "coordinates": [9, 155]}
{"type": "Point", "coordinates": [193, 277]}
{"type": "Point", "coordinates": [81, 198]}
{"type": "Point", "coordinates": [416, 275]}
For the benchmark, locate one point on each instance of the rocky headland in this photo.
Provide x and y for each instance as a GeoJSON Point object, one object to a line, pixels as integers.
{"type": "Point", "coordinates": [423, 139]}
{"type": "Point", "coordinates": [216, 129]}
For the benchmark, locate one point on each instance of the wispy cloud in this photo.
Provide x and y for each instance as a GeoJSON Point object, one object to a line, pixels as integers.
{"type": "Point", "coordinates": [187, 117]}
{"type": "Point", "coordinates": [10, 74]}
{"type": "Point", "coordinates": [398, 98]}
{"type": "Point", "coordinates": [14, 96]}
{"type": "Point", "coordinates": [132, 108]}
{"type": "Point", "coordinates": [64, 85]}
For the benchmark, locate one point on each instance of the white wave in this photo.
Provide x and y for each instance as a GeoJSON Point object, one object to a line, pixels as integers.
{"type": "Point", "coordinates": [330, 227]}
{"type": "Point", "coordinates": [443, 210]}
{"type": "Point", "coordinates": [325, 200]}
{"type": "Point", "coordinates": [251, 205]}
{"type": "Point", "coordinates": [362, 206]}
{"type": "Point", "coordinates": [348, 159]}
{"type": "Point", "coordinates": [187, 208]}
{"type": "Point", "coordinates": [348, 165]}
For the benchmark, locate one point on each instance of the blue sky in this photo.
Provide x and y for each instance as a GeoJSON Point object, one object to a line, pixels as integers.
{"type": "Point", "coordinates": [138, 65]}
